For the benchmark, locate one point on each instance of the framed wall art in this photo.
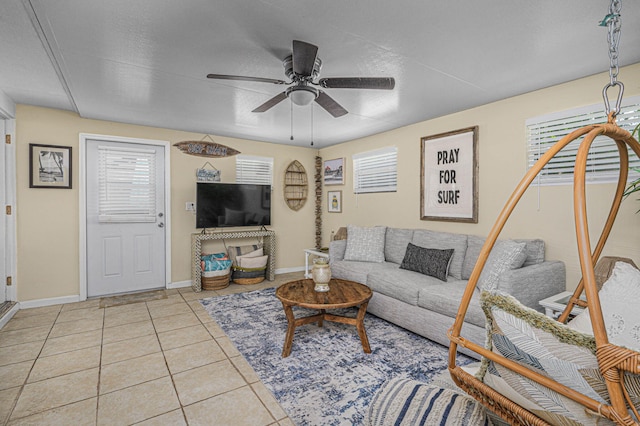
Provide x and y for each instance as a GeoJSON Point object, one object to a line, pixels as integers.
{"type": "Point", "coordinates": [334, 172]}
{"type": "Point", "coordinates": [334, 201]}
{"type": "Point", "coordinates": [449, 176]}
{"type": "Point", "coordinates": [49, 166]}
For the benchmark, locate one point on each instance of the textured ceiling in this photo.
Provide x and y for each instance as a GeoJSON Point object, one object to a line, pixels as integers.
{"type": "Point", "coordinates": [146, 61]}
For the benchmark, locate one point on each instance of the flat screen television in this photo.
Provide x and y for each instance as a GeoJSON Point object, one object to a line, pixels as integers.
{"type": "Point", "coordinates": [231, 204]}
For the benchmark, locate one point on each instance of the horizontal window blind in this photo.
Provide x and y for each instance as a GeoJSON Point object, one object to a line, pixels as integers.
{"type": "Point", "coordinates": [254, 170]}
{"type": "Point", "coordinates": [603, 161]}
{"type": "Point", "coordinates": [126, 185]}
{"type": "Point", "coordinates": [376, 171]}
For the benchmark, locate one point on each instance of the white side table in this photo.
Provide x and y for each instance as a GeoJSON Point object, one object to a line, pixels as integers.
{"type": "Point", "coordinates": [312, 252]}
{"type": "Point", "coordinates": [554, 305]}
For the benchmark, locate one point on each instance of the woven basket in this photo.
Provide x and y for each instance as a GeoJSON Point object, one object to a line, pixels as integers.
{"type": "Point", "coordinates": [247, 276]}
{"type": "Point", "coordinates": [215, 283]}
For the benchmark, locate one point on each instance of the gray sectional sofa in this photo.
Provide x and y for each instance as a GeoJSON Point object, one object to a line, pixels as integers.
{"type": "Point", "coordinates": [427, 305]}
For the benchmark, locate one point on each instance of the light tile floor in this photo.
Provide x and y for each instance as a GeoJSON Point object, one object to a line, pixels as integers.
{"type": "Point", "coordinates": [161, 362]}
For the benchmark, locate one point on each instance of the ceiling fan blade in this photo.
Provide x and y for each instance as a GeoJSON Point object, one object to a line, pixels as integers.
{"type": "Point", "coordinates": [271, 102]}
{"type": "Point", "coordinates": [304, 57]}
{"type": "Point", "coordinates": [328, 103]}
{"type": "Point", "coordinates": [383, 83]}
{"type": "Point", "coordinates": [242, 78]}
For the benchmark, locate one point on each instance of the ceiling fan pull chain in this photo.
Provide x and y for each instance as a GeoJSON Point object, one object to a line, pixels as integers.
{"type": "Point", "coordinates": [614, 23]}
{"type": "Point", "coordinates": [291, 117]}
{"type": "Point", "coordinates": [311, 124]}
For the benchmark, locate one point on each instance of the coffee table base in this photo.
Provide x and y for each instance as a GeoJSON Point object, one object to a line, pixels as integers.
{"type": "Point", "coordinates": [294, 322]}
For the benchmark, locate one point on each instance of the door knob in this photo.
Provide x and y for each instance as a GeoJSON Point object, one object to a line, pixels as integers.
{"type": "Point", "coordinates": [161, 225]}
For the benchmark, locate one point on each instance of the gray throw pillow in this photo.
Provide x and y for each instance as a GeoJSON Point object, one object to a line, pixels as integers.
{"type": "Point", "coordinates": [534, 250]}
{"type": "Point", "coordinates": [506, 255]}
{"type": "Point", "coordinates": [432, 262]}
{"type": "Point", "coordinates": [365, 244]}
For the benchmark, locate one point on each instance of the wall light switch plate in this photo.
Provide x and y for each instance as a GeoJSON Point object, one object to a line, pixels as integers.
{"type": "Point", "coordinates": [191, 206]}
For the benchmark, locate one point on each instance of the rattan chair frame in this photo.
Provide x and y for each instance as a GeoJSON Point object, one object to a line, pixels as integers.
{"type": "Point", "coordinates": [613, 360]}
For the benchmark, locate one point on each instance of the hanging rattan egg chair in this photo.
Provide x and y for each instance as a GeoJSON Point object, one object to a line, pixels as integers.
{"type": "Point", "coordinates": [536, 370]}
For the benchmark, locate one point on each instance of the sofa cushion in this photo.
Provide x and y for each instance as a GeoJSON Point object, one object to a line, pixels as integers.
{"type": "Point", "coordinates": [534, 250]}
{"type": "Point", "coordinates": [400, 284]}
{"type": "Point", "coordinates": [504, 256]}
{"type": "Point", "coordinates": [352, 271]}
{"type": "Point", "coordinates": [365, 244]}
{"type": "Point", "coordinates": [444, 240]}
{"type": "Point", "coordinates": [432, 262]}
{"type": "Point", "coordinates": [445, 299]}
{"type": "Point", "coordinates": [395, 244]}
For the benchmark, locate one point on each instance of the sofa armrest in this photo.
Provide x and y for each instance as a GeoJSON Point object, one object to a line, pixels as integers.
{"type": "Point", "coordinates": [533, 283]}
{"type": "Point", "coordinates": [337, 249]}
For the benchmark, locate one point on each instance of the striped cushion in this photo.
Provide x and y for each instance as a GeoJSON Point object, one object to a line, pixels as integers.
{"type": "Point", "coordinates": [403, 401]}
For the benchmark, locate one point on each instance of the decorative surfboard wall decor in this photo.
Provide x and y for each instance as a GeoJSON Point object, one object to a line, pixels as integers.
{"type": "Point", "coordinates": [204, 148]}
{"type": "Point", "coordinates": [295, 185]}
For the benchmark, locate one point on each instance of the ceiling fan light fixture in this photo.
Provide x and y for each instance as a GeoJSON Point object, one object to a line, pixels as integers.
{"type": "Point", "coordinates": [302, 95]}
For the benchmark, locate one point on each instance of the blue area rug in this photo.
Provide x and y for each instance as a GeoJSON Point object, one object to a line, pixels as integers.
{"type": "Point", "coordinates": [327, 379]}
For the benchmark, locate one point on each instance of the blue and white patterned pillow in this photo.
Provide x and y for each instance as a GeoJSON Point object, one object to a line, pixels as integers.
{"type": "Point", "coordinates": [216, 265]}
{"type": "Point", "coordinates": [403, 401]}
{"type": "Point", "coordinates": [365, 244]}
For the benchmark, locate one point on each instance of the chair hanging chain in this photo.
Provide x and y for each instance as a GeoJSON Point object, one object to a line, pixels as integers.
{"type": "Point", "coordinates": [613, 22]}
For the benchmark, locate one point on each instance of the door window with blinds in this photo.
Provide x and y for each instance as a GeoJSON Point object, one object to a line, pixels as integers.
{"type": "Point", "coordinates": [375, 171]}
{"type": "Point", "coordinates": [126, 185]}
{"type": "Point", "coordinates": [254, 170]}
{"type": "Point", "coordinates": [603, 161]}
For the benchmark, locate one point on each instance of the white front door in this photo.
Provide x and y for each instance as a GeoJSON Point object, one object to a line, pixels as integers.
{"type": "Point", "coordinates": [125, 218]}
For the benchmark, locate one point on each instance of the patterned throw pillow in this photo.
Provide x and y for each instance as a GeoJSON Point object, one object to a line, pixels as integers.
{"type": "Point", "coordinates": [252, 262]}
{"type": "Point", "coordinates": [619, 301]}
{"type": "Point", "coordinates": [235, 251]}
{"type": "Point", "coordinates": [365, 244]}
{"type": "Point", "coordinates": [444, 240]}
{"type": "Point", "coordinates": [215, 265]}
{"type": "Point", "coordinates": [506, 255]}
{"type": "Point", "coordinates": [402, 401]}
{"type": "Point", "coordinates": [548, 347]}
{"type": "Point", "coordinates": [432, 262]}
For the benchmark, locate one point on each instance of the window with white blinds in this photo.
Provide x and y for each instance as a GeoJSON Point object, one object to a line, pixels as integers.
{"type": "Point", "coordinates": [254, 170]}
{"type": "Point", "coordinates": [375, 171]}
{"type": "Point", "coordinates": [126, 185]}
{"type": "Point", "coordinates": [603, 160]}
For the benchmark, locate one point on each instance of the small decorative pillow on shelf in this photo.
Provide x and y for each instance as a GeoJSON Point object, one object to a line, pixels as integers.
{"type": "Point", "coordinates": [216, 265]}
{"type": "Point", "coordinates": [235, 251]}
{"type": "Point", "coordinates": [252, 262]}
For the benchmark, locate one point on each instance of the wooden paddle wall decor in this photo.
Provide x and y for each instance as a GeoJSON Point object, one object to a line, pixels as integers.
{"type": "Point", "coordinates": [204, 148]}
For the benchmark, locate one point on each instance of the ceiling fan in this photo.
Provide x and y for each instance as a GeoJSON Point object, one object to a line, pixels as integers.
{"type": "Point", "coordinates": [302, 67]}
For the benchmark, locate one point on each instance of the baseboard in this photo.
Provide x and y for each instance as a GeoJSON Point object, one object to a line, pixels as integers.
{"type": "Point", "coordinates": [8, 315]}
{"type": "Point", "coordinates": [287, 270]}
{"type": "Point", "coordinates": [179, 284]}
{"type": "Point", "coordinates": [37, 303]}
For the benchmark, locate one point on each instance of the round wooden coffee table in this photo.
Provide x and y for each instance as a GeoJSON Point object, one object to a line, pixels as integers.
{"type": "Point", "coordinates": [341, 294]}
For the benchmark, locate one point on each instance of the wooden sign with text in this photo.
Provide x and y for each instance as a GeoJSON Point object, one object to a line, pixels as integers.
{"type": "Point", "coordinates": [205, 149]}
{"type": "Point", "coordinates": [449, 176]}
